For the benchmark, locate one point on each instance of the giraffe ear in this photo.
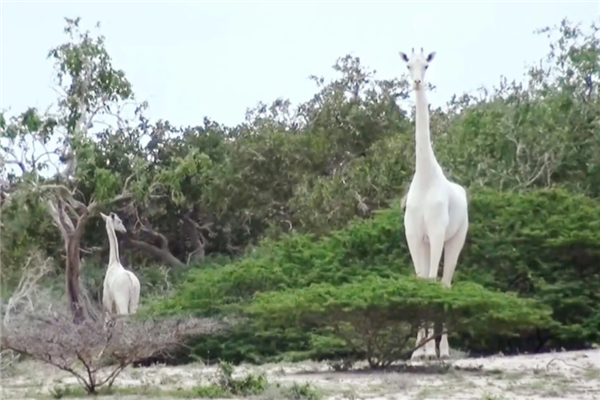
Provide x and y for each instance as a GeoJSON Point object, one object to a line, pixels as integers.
{"type": "Point", "coordinates": [103, 216]}
{"type": "Point", "coordinates": [403, 56]}
{"type": "Point", "coordinates": [431, 56]}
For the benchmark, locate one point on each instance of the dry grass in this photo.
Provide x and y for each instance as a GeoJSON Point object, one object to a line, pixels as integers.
{"type": "Point", "coordinates": [94, 352]}
{"type": "Point", "coordinates": [567, 375]}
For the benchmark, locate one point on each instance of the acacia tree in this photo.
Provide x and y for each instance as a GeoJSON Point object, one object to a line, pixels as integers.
{"type": "Point", "coordinates": [54, 151]}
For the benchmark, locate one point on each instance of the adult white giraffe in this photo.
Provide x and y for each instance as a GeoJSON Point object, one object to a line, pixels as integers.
{"type": "Point", "coordinates": [436, 216]}
{"type": "Point", "coordinates": [121, 287]}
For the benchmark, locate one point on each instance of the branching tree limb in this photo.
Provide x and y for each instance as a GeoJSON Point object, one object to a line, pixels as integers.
{"type": "Point", "coordinates": [35, 268]}
{"type": "Point", "coordinates": [160, 252]}
{"type": "Point", "coordinates": [93, 352]}
{"type": "Point", "coordinates": [22, 299]}
{"type": "Point", "coordinates": [72, 228]}
{"type": "Point", "coordinates": [144, 238]}
{"type": "Point", "coordinates": [197, 238]}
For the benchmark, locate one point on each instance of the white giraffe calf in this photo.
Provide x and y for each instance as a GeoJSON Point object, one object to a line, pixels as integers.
{"type": "Point", "coordinates": [121, 287]}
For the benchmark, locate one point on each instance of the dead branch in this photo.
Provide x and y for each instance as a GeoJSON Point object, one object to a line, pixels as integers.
{"type": "Point", "coordinates": [35, 268]}
{"type": "Point", "coordinates": [93, 351]}
{"type": "Point", "coordinates": [55, 215]}
{"type": "Point", "coordinates": [233, 249]}
{"type": "Point", "coordinates": [79, 212]}
{"type": "Point", "coordinates": [7, 359]}
{"type": "Point", "coordinates": [13, 159]}
{"type": "Point", "coordinates": [566, 363]}
{"type": "Point", "coordinates": [165, 273]}
{"type": "Point", "coordinates": [362, 206]}
{"type": "Point", "coordinates": [197, 238]}
{"type": "Point", "coordinates": [156, 237]}
{"type": "Point", "coordinates": [23, 298]}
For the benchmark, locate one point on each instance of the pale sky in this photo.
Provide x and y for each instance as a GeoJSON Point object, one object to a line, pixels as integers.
{"type": "Point", "coordinates": [191, 60]}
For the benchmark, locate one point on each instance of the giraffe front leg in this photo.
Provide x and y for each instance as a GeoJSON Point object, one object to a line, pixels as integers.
{"type": "Point", "coordinates": [419, 251]}
{"type": "Point", "coordinates": [419, 353]}
{"type": "Point", "coordinates": [444, 347]}
{"type": "Point", "coordinates": [452, 251]}
{"type": "Point", "coordinates": [436, 246]}
{"type": "Point", "coordinates": [430, 350]}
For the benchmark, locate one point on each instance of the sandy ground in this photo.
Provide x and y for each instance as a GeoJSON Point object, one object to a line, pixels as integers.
{"type": "Point", "coordinates": [552, 376]}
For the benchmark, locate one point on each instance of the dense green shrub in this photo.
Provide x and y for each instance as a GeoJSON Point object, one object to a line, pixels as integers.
{"type": "Point", "coordinates": [543, 244]}
{"type": "Point", "coordinates": [366, 247]}
{"type": "Point", "coordinates": [379, 317]}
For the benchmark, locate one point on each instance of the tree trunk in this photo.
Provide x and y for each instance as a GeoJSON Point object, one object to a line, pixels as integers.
{"type": "Point", "coordinates": [72, 279]}
{"type": "Point", "coordinates": [198, 245]}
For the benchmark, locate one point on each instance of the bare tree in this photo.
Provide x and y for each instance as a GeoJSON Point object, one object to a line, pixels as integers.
{"type": "Point", "coordinates": [94, 352]}
{"type": "Point", "coordinates": [35, 268]}
{"type": "Point", "coordinates": [22, 299]}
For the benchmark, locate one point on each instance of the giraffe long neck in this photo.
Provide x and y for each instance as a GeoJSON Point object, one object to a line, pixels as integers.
{"type": "Point", "coordinates": [426, 162]}
{"type": "Point", "coordinates": [113, 257]}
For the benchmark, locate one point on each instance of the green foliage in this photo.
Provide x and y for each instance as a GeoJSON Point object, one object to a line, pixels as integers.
{"type": "Point", "coordinates": [298, 260]}
{"type": "Point", "coordinates": [410, 298]}
{"type": "Point", "coordinates": [227, 386]}
{"type": "Point", "coordinates": [59, 392]}
{"type": "Point", "coordinates": [301, 392]}
{"type": "Point", "coordinates": [563, 245]}
{"type": "Point", "coordinates": [211, 391]}
{"type": "Point", "coordinates": [247, 386]}
{"type": "Point", "coordinates": [379, 317]}
{"type": "Point", "coordinates": [307, 195]}
{"type": "Point", "coordinates": [543, 244]}
{"type": "Point", "coordinates": [540, 133]}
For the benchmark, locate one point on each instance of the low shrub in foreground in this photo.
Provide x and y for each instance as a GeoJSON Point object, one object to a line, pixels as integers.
{"type": "Point", "coordinates": [95, 352]}
{"type": "Point", "coordinates": [226, 385]}
{"type": "Point", "coordinates": [380, 317]}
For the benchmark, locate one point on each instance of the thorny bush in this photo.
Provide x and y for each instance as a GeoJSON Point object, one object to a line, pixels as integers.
{"type": "Point", "coordinates": [93, 351]}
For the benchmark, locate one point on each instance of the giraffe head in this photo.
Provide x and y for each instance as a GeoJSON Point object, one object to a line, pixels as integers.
{"type": "Point", "coordinates": [115, 221]}
{"type": "Point", "coordinates": [417, 64]}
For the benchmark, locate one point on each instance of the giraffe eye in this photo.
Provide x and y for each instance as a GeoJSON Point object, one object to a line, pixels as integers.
{"type": "Point", "coordinates": [427, 66]}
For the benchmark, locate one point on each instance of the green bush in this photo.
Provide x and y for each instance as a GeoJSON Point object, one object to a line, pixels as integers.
{"type": "Point", "coordinates": [364, 248]}
{"type": "Point", "coordinates": [380, 317]}
{"type": "Point", "coordinates": [228, 386]}
{"type": "Point", "coordinates": [542, 244]}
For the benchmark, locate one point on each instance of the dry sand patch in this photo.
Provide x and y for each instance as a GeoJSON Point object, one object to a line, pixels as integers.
{"type": "Point", "coordinates": [566, 375]}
